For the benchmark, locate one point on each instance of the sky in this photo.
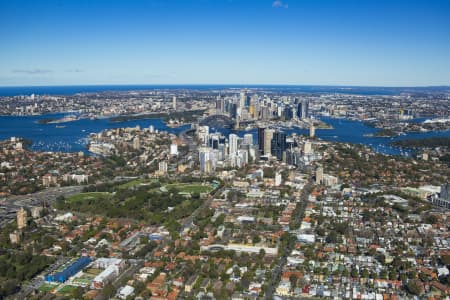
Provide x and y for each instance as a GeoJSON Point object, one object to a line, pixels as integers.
{"type": "Point", "coordinates": [303, 42]}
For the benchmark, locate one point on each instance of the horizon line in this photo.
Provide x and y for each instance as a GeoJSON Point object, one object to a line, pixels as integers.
{"type": "Point", "coordinates": [229, 84]}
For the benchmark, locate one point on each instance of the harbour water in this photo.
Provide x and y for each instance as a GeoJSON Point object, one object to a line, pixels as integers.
{"type": "Point", "coordinates": [69, 136]}
{"type": "Point", "coordinates": [72, 136]}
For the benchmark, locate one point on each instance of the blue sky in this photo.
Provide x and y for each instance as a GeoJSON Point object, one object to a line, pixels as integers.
{"type": "Point", "coordinates": [323, 42]}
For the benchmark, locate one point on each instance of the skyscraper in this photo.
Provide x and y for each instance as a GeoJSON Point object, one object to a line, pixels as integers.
{"type": "Point", "coordinates": [136, 143]}
{"type": "Point", "coordinates": [288, 113]}
{"type": "Point", "coordinates": [319, 175]}
{"type": "Point", "coordinates": [205, 160]}
{"type": "Point", "coordinates": [242, 99]}
{"type": "Point", "coordinates": [233, 140]}
{"type": "Point", "coordinates": [174, 102]}
{"type": "Point", "coordinates": [268, 135]}
{"type": "Point", "coordinates": [261, 140]}
{"type": "Point", "coordinates": [22, 218]}
{"type": "Point", "coordinates": [312, 131]}
{"type": "Point", "coordinates": [248, 139]}
{"type": "Point", "coordinates": [303, 109]}
{"type": "Point", "coordinates": [278, 144]}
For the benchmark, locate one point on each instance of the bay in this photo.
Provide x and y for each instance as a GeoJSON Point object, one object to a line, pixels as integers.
{"type": "Point", "coordinates": [73, 136]}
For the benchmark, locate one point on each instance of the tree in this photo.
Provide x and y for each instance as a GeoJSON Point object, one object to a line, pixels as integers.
{"type": "Point", "coordinates": [108, 291]}
{"type": "Point", "coordinates": [414, 287]}
{"type": "Point", "coordinates": [77, 293]}
{"type": "Point", "coordinates": [365, 273]}
{"type": "Point", "coordinates": [293, 279]}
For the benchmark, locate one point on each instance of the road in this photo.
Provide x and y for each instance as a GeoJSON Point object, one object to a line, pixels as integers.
{"type": "Point", "coordinates": [10, 205]}
{"type": "Point", "coordinates": [276, 274]}
{"type": "Point", "coordinates": [188, 222]}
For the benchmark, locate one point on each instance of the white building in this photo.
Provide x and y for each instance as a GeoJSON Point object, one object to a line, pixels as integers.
{"type": "Point", "coordinates": [233, 143]}
{"type": "Point", "coordinates": [125, 292]}
{"type": "Point", "coordinates": [173, 149]}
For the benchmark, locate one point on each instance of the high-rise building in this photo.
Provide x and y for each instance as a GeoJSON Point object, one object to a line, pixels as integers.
{"type": "Point", "coordinates": [278, 179]}
{"type": "Point", "coordinates": [173, 149]}
{"type": "Point", "coordinates": [261, 140]}
{"type": "Point", "coordinates": [22, 218]}
{"type": "Point", "coordinates": [278, 144]}
{"type": "Point", "coordinates": [288, 113]}
{"type": "Point", "coordinates": [307, 149]}
{"type": "Point", "coordinates": [136, 143]}
{"type": "Point", "coordinates": [233, 143]}
{"type": "Point", "coordinates": [248, 139]}
{"type": "Point", "coordinates": [163, 167]}
{"type": "Point", "coordinates": [303, 109]}
{"type": "Point", "coordinates": [174, 102]}
{"type": "Point", "coordinates": [207, 160]}
{"type": "Point", "coordinates": [312, 131]}
{"type": "Point", "coordinates": [236, 124]}
{"type": "Point", "coordinates": [242, 99]}
{"type": "Point", "coordinates": [445, 191]}
{"type": "Point", "coordinates": [268, 135]}
{"type": "Point", "coordinates": [319, 175]}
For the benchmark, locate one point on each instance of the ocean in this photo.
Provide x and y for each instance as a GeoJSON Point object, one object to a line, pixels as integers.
{"type": "Point", "coordinates": [73, 89]}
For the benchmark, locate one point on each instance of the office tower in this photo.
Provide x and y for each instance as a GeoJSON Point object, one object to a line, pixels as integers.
{"type": "Point", "coordinates": [303, 109]}
{"type": "Point", "coordinates": [261, 140]}
{"type": "Point", "coordinates": [136, 143]}
{"type": "Point", "coordinates": [233, 110]}
{"type": "Point", "coordinates": [207, 158]}
{"type": "Point", "coordinates": [299, 110]}
{"type": "Point", "coordinates": [307, 148]}
{"type": "Point", "coordinates": [251, 110]}
{"type": "Point", "coordinates": [278, 179]}
{"type": "Point", "coordinates": [242, 99]}
{"type": "Point", "coordinates": [236, 124]}
{"type": "Point", "coordinates": [278, 144]}
{"type": "Point", "coordinates": [233, 143]}
{"type": "Point", "coordinates": [312, 131]}
{"type": "Point", "coordinates": [220, 105]}
{"type": "Point", "coordinates": [22, 218]}
{"type": "Point", "coordinates": [248, 139]}
{"type": "Point", "coordinates": [173, 149]}
{"type": "Point", "coordinates": [151, 128]}
{"type": "Point", "coordinates": [268, 135]}
{"type": "Point", "coordinates": [288, 113]}
{"type": "Point", "coordinates": [445, 191]}
{"type": "Point", "coordinates": [202, 134]}
{"type": "Point", "coordinates": [265, 113]}
{"type": "Point", "coordinates": [319, 175]}
{"type": "Point", "coordinates": [174, 102]}
{"type": "Point", "coordinates": [163, 167]}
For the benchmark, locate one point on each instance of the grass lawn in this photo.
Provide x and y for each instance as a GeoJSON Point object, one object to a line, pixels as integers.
{"type": "Point", "coordinates": [88, 196]}
{"type": "Point", "coordinates": [67, 289]}
{"type": "Point", "coordinates": [46, 287]}
{"type": "Point", "coordinates": [92, 271]}
{"type": "Point", "coordinates": [131, 184]}
{"type": "Point", "coordinates": [190, 187]}
{"type": "Point", "coordinates": [84, 280]}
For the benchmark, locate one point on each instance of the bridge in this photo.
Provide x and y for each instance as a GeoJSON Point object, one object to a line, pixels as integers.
{"type": "Point", "coordinates": [217, 121]}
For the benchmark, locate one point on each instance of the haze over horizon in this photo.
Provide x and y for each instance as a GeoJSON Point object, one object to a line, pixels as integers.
{"type": "Point", "coordinates": [358, 43]}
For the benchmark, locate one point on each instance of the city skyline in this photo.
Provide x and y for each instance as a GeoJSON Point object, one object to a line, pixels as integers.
{"type": "Point", "coordinates": [356, 43]}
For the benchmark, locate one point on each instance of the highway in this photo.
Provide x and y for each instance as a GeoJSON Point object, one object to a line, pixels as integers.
{"type": "Point", "coordinates": [10, 205]}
